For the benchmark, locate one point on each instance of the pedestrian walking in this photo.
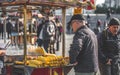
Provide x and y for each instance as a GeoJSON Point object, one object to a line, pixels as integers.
{"type": "Point", "coordinates": [59, 31]}
{"type": "Point", "coordinates": [109, 48]}
{"type": "Point", "coordinates": [47, 33]}
{"type": "Point", "coordinates": [98, 29]}
{"type": "Point", "coordinates": [84, 48]}
{"type": "Point", "coordinates": [8, 28]}
{"type": "Point", "coordinates": [45, 12]}
{"type": "Point", "coordinates": [1, 29]}
{"type": "Point", "coordinates": [40, 33]}
{"type": "Point", "coordinates": [108, 14]}
{"type": "Point", "coordinates": [14, 32]}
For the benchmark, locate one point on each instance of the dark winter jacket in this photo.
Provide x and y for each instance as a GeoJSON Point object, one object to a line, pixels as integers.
{"type": "Point", "coordinates": [8, 27]}
{"type": "Point", "coordinates": [109, 46]}
{"type": "Point", "coordinates": [39, 28]}
{"type": "Point", "coordinates": [84, 50]}
{"type": "Point", "coordinates": [14, 28]}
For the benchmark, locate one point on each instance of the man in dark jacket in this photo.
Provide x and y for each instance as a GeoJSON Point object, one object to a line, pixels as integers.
{"type": "Point", "coordinates": [8, 28]}
{"type": "Point", "coordinates": [84, 48]}
{"type": "Point", "coordinates": [109, 49]}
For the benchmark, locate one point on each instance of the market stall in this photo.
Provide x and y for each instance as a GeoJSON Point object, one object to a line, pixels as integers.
{"type": "Point", "coordinates": [44, 63]}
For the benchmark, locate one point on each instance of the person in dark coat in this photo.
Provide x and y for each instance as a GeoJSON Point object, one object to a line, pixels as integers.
{"type": "Point", "coordinates": [1, 29]}
{"type": "Point", "coordinates": [108, 14]}
{"type": "Point", "coordinates": [84, 48]}
{"type": "Point", "coordinates": [14, 32]}
{"type": "Point", "coordinates": [8, 28]}
{"type": "Point", "coordinates": [97, 30]}
{"type": "Point", "coordinates": [39, 34]}
{"type": "Point", "coordinates": [109, 48]}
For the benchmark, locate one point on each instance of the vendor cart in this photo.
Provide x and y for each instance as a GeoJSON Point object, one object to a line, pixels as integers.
{"type": "Point", "coordinates": [13, 69]}
{"type": "Point", "coordinates": [26, 70]}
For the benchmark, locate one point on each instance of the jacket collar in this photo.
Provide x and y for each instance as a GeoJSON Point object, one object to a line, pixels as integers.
{"type": "Point", "coordinates": [82, 27]}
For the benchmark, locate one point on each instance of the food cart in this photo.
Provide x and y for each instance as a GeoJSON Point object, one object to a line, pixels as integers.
{"type": "Point", "coordinates": [12, 69]}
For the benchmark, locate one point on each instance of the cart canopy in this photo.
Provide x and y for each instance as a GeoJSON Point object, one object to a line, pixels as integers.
{"type": "Point", "coordinates": [58, 3]}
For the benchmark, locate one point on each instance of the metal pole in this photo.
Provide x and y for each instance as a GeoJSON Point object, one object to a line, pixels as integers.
{"type": "Point", "coordinates": [64, 30]}
{"type": "Point", "coordinates": [4, 22]}
{"type": "Point", "coordinates": [25, 32]}
{"type": "Point", "coordinates": [110, 4]}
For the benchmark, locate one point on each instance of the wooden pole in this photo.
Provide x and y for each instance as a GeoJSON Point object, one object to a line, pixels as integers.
{"type": "Point", "coordinates": [25, 32]}
{"type": "Point", "coordinates": [64, 30]}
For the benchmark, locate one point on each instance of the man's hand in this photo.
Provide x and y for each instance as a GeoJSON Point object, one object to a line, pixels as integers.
{"type": "Point", "coordinates": [75, 63]}
{"type": "Point", "coordinates": [109, 62]}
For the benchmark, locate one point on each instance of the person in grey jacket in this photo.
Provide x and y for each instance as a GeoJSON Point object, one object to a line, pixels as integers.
{"type": "Point", "coordinates": [84, 48]}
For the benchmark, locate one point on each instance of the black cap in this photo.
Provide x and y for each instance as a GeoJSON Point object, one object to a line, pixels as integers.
{"type": "Point", "coordinates": [77, 17]}
{"type": "Point", "coordinates": [114, 21]}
